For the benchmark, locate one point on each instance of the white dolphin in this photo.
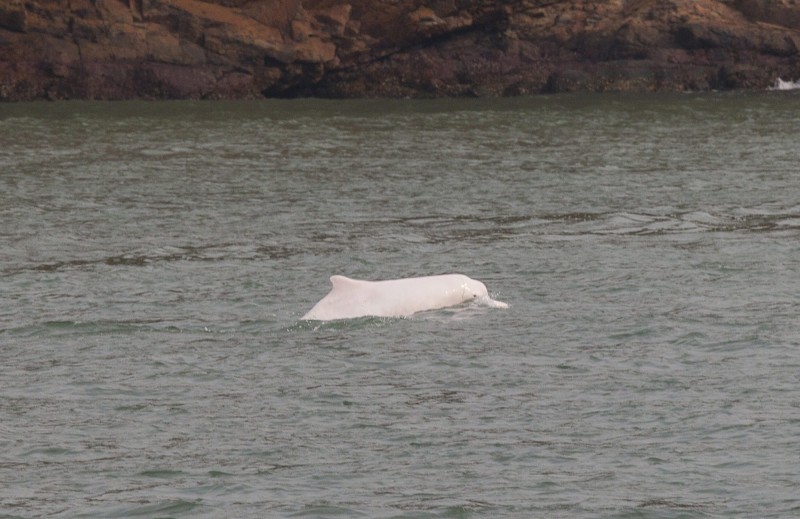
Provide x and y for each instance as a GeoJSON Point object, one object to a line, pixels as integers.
{"type": "Point", "coordinates": [350, 298]}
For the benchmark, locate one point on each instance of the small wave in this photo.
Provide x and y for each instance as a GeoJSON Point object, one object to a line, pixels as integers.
{"type": "Point", "coordinates": [788, 223]}
{"type": "Point", "coordinates": [171, 507]}
{"type": "Point", "coordinates": [200, 253]}
{"type": "Point", "coordinates": [682, 223]}
{"type": "Point", "coordinates": [86, 328]}
{"type": "Point", "coordinates": [344, 324]}
{"type": "Point", "coordinates": [780, 84]}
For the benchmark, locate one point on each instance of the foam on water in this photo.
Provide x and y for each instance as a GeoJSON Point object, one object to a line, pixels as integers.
{"type": "Point", "coordinates": [780, 84]}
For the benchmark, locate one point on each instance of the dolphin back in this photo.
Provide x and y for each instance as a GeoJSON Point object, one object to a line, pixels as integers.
{"type": "Point", "coordinates": [351, 298]}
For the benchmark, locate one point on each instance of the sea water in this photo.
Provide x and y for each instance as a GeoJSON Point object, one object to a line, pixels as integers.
{"type": "Point", "coordinates": [156, 258]}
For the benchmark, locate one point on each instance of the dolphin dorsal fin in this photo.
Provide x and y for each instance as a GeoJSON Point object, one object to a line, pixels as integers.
{"type": "Point", "coordinates": [345, 283]}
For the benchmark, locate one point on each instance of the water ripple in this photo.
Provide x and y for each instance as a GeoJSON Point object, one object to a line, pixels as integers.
{"type": "Point", "coordinates": [157, 259]}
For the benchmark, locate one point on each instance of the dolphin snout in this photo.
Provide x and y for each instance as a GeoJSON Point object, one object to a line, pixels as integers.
{"type": "Point", "coordinates": [491, 303]}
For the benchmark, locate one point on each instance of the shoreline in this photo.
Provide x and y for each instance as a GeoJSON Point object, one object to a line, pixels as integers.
{"type": "Point", "coordinates": [240, 49]}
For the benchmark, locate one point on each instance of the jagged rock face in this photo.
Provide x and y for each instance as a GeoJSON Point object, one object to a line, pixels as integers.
{"type": "Point", "coordinates": [121, 49]}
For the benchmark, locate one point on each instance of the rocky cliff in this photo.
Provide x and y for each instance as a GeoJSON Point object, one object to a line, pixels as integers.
{"type": "Point", "coordinates": [119, 49]}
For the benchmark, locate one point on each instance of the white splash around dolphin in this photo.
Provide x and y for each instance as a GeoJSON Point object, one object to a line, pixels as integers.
{"type": "Point", "coordinates": [351, 298]}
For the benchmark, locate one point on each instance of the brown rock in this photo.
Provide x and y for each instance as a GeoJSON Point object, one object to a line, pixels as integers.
{"type": "Point", "coordinates": [424, 17]}
{"type": "Point", "coordinates": [778, 12]}
{"type": "Point", "coordinates": [315, 50]}
{"type": "Point", "coordinates": [334, 18]}
{"type": "Point", "coordinates": [116, 49]}
{"type": "Point", "coordinates": [13, 17]}
{"type": "Point", "coordinates": [302, 30]}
